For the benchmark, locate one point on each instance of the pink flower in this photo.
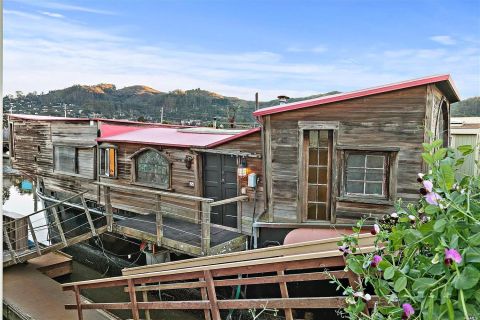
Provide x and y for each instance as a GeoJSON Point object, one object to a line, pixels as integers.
{"type": "Point", "coordinates": [345, 249]}
{"type": "Point", "coordinates": [408, 310]}
{"type": "Point", "coordinates": [452, 255]}
{"type": "Point", "coordinates": [428, 185]}
{"type": "Point", "coordinates": [375, 261]}
{"type": "Point", "coordinates": [432, 198]}
{"type": "Point", "coordinates": [375, 230]}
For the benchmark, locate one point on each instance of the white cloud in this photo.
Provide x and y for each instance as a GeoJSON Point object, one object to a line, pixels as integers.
{"type": "Point", "coordinates": [43, 53]}
{"type": "Point", "coordinates": [444, 39]}
{"type": "Point", "coordinates": [316, 49]}
{"type": "Point", "coordinates": [52, 14]}
{"type": "Point", "coordinates": [63, 6]}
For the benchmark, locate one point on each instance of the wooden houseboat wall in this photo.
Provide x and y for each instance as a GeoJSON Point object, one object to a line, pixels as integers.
{"type": "Point", "coordinates": [388, 126]}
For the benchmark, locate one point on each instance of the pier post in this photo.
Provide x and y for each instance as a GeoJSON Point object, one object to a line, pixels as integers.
{"type": "Point", "coordinates": [108, 208]}
{"type": "Point", "coordinates": [159, 219]}
{"type": "Point", "coordinates": [206, 209]}
{"type": "Point", "coordinates": [34, 236]}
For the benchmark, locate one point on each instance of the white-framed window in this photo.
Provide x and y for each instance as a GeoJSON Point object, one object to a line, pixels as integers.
{"type": "Point", "coordinates": [108, 161]}
{"type": "Point", "coordinates": [366, 174]}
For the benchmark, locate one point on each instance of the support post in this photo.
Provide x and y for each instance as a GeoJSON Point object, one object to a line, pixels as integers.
{"type": "Point", "coordinates": [284, 292]}
{"type": "Point", "coordinates": [34, 236]}
{"type": "Point", "coordinates": [159, 219]}
{"type": "Point", "coordinates": [133, 300]}
{"type": "Point", "coordinates": [108, 208]}
{"type": "Point", "coordinates": [206, 208]}
{"type": "Point", "coordinates": [212, 295]}
{"type": "Point", "coordinates": [9, 244]}
{"type": "Point", "coordinates": [35, 196]}
{"type": "Point", "coordinates": [78, 299]}
{"type": "Point", "coordinates": [89, 217]}
{"type": "Point", "coordinates": [59, 226]}
{"type": "Point", "coordinates": [145, 299]}
{"type": "Point", "coordinates": [203, 292]}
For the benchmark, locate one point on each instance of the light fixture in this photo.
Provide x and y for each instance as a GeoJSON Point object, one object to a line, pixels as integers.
{"type": "Point", "coordinates": [242, 168]}
{"type": "Point", "coordinates": [188, 161]}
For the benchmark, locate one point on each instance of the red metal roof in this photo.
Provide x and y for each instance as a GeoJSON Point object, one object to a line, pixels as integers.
{"type": "Point", "coordinates": [166, 137]}
{"type": "Point", "coordinates": [447, 86]}
{"type": "Point", "coordinates": [234, 137]}
{"type": "Point", "coordinates": [107, 130]}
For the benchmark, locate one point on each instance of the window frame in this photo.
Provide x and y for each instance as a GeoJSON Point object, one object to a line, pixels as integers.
{"type": "Point", "coordinates": [390, 175]}
{"type": "Point", "coordinates": [101, 169]}
{"type": "Point", "coordinates": [134, 178]}
{"type": "Point", "coordinates": [55, 147]}
{"type": "Point", "coordinates": [76, 173]}
{"type": "Point", "coordinates": [302, 206]}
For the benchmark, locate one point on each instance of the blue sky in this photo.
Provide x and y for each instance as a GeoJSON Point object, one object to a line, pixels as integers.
{"type": "Point", "coordinates": [237, 48]}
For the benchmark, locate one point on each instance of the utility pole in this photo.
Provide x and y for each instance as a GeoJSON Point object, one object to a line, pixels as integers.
{"type": "Point", "coordinates": [161, 115]}
{"type": "Point", "coordinates": [256, 107]}
{"type": "Point", "coordinates": [65, 109]}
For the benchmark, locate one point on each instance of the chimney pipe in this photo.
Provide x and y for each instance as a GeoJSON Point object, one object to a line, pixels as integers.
{"type": "Point", "coordinates": [283, 99]}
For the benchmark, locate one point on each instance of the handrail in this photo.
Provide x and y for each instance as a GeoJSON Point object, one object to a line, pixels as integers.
{"type": "Point", "coordinates": [229, 200]}
{"type": "Point", "coordinates": [53, 205]}
{"type": "Point", "coordinates": [155, 192]}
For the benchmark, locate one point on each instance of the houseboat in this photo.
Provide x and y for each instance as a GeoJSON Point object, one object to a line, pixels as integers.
{"type": "Point", "coordinates": [310, 167]}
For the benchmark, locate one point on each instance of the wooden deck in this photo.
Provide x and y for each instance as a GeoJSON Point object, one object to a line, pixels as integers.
{"type": "Point", "coordinates": [181, 235]}
{"type": "Point", "coordinates": [28, 290]}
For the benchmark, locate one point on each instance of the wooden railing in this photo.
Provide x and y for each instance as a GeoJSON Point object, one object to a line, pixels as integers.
{"type": "Point", "coordinates": [280, 265]}
{"type": "Point", "coordinates": [205, 210]}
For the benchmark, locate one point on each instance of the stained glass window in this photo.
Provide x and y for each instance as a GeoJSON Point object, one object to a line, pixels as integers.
{"type": "Point", "coordinates": [153, 168]}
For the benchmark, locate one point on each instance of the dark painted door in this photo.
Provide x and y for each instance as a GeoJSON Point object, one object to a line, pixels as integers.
{"type": "Point", "coordinates": [220, 182]}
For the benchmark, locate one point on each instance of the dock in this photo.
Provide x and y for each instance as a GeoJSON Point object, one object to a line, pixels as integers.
{"type": "Point", "coordinates": [30, 293]}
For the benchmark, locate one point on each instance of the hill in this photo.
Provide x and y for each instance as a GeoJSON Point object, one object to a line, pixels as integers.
{"type": "Point", "coordinates": [194, 106]}
{"type": "Point", "coordinates": [466, 108]}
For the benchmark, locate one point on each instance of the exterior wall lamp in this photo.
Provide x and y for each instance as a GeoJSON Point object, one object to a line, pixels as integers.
{"type": "Point", "coordinates": [242, 169]}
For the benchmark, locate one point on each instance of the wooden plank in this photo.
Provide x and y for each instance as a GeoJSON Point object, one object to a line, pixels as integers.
{"type": "Point", "coordinates": [159, 219]}
{"type": "Point", "coordinates": [171, 286]}
{"type": "Point", "coordinates": [34, 236]}
{"type": "Point", "coordinates": [87, 214]}
{"type": "Point", "coordinates": [230, 200]}
{"type": "Point", "coordinates": [59, 226]}
{"type": "Point", "coordinates": [158, 305]}
{"type": "Point", "coordinates": [206, 210]}
{"type": "Point", "coordinates": [291, 303]}
{"type": "Point", "coordinates": [78, 300]}
{"type": "Point", "coordinates": [145, 299]}
{"type": "Point", "coordinates": [284, 293]}
{"type": "Point", "coordinates": [133, 300]}
{"type": "Point", "coordinates": [270, 252]}
{"type": "Point", "coordinates": [204, 294]}
{"type": "Point", "coordinates": [212, 295]}
{"type": "Point", "coordinates": [108, 208]}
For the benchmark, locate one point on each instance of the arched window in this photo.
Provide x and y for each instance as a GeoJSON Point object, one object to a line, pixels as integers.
{"type": "Point", "coordinates": [151, 168]}
{"type": "Point", "coordinates": [442, 127]}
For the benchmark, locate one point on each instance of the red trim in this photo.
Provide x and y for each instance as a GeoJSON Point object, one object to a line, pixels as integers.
{"type": "Point", "coordinates": [234, 137]}
{"type": "Point", "coordinates": [358, 94]}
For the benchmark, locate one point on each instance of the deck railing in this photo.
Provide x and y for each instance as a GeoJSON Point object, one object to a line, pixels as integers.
{"type": "Point", "coordinates": [279, 265]}
{"type": "Point", "coordinates": [202, 214]}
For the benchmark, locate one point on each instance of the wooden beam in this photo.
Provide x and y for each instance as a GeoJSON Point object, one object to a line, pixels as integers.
{"type": "Point", "coordinates": [157, 305]}
{"type": "Point", "coordinates": [78, 299]}
{"type": "Point", "coordinates": [6, 238]}
{"type": "Point", "coordinates": [133, 300]}
{"type": "Point", "coordinates": [145, 299]}
{"type": "Point", "coordinates": [87, 214]}
{"type": "Point", "coordinates": [108, 208]}
{"type": "Point", "coordinates": [34, 236]}
{"type": "Point", "coordinates": [212, 295]}
{"type": "Point", "coordinates": [203, 292]}
{"type": "Point", "coordinates": [230, 200]}
{"type": "Point", "coordinates": [284, 293]}
{"type": "Point", "coordinates": [59, 226]}
{"type": "Point", "coordinates": [159, 219]}
{"type": "Point", "coordinates": [206, 209]}
{"type": "Point", "coordinates": [276, 303]}
{"type": "Point", "coordinates": [171, 286]}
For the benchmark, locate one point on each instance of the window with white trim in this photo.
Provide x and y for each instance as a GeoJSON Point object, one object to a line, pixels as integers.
{"type": "Point", "coordinates": [366, 174]}
{"type": "Point", "coordinates": [108, 162]}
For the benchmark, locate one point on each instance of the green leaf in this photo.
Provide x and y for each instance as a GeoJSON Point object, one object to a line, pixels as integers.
{"type": "Point", "coordinates": [428, 158]}
{"type": "Point", "coordinates": [431, 209]}
{"type": "Point", "coordinates": [467, 279]}
{"type": "Point", "coordinates": [465, 149]}
{"type": "Point", "coordinates": [400, 284]}
{"type": "Point", "coordinates": [354, 265]}
{"type": "Point", "coordinates": [389, 273]}
{"type": "Point", "coordinates": [448, 176]}
{"type": "Point", "coordinates": [439, 154]}
{"type": "Point", "coordinates": [451, 314]}
{"type": "Point", "coordinates": [439, 225]}
{"type": "Point", "coordinates": [472, 255]}
{"type": "Point", "coordinates": [474, 240]}
{"type": "Point", "coordinates": [422, 284]}
{"type": "Point", "coordinates": [412, 235]}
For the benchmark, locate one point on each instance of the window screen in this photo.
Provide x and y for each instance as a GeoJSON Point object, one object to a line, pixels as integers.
{"type": "Point", "coordinates": [366, 174]}
{"type": "Point", "coordinates": [65, 159]}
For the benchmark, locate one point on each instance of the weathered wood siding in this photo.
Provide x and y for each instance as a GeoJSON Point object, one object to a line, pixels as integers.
{"type": "Point", "coordinates": [181, 176]}
{"type": "Point", "coordinates": [34, 141]}
{"type": "Point", "coordinates": [394, 119]}
{"type": "Point", "coordinates": [256, 203]}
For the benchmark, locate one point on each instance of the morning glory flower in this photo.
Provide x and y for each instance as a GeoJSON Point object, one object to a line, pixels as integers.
{"type": "Point", "coordinates": [452, 255]}
{"type": "Point", "coordinates": [408, 311]}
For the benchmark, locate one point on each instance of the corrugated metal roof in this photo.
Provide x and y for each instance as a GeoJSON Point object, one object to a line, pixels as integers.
{"type": "Point", "coordinates": [165, 137]}
{"type": "Point", "coordinates": [445, 84]}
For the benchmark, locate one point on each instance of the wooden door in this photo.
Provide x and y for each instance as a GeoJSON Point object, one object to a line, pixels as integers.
{"type": "Point", "coordinates": [220, 182]}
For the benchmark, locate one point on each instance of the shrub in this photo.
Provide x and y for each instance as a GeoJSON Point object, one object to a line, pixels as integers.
{"type": "Point", "coordinates": [426, 263]}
